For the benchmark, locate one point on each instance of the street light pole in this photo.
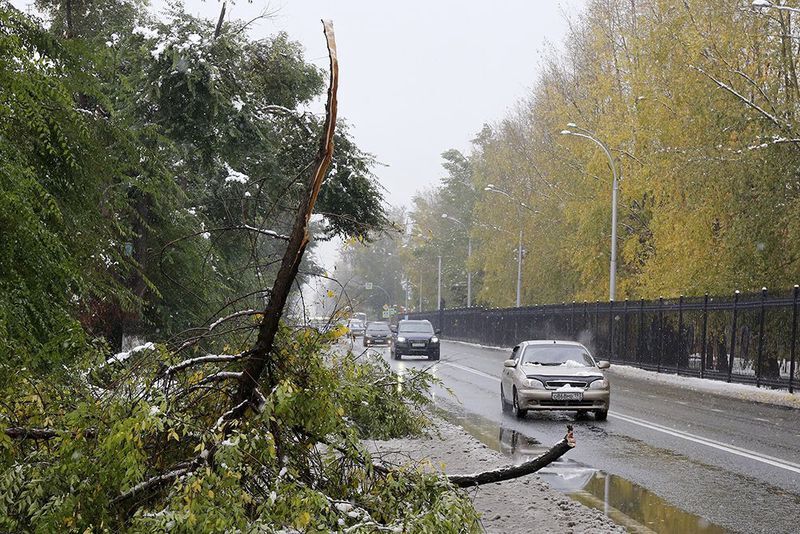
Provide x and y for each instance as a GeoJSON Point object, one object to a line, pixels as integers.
{"type": "Point", "coordinates": [493, 189]}
{"type": "Point", "coordinates": [583, 132]}
{"type": "Point", "coordinates": [439, 290]}
{"type": "Point", "coordinates": [519, 267]}
{"type": "Point", "coordinates": [469, 255]}
{"type": "Point", "coordinates": [420, 289]}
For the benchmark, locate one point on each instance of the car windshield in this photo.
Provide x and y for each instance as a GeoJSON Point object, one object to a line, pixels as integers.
{"type": "Point", "coordinates": [356, 324]}
{"type": "Point", "coordinates": [378, 329]}
{"type": "Point", "coordinates": [568, 356]}
{"type": "Point", "coordinates": [415, 327]}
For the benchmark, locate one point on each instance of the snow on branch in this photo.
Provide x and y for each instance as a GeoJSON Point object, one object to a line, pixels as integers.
{"type": "Point", "coordinates": [152, 483]}
{"type": "Point", "coordinates": [750, 103]}
{"type": "Point", "coordinates": [210, 358]}
{"type": "Point", "coordinates": [268, 233]}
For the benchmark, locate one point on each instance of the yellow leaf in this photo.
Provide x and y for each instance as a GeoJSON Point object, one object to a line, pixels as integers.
{"type": "Point", "coordinates": [303, 519]}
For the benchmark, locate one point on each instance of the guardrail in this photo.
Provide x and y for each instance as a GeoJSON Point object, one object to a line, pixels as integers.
{"type": "Point", "coordinates": [688, 336]}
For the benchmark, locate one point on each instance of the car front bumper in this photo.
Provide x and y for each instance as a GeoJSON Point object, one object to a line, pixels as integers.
{"type": "Point", "coordinates": [416, 351]}
{"type": "Point", "coordinates": [542, 399]}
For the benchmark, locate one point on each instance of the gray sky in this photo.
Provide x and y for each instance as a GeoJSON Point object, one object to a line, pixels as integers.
{"type": "Point", "coordinates": [418, 77]}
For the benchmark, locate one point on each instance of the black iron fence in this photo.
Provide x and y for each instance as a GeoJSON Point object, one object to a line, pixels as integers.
{"type": "Point", "coordinates": [745, 338]}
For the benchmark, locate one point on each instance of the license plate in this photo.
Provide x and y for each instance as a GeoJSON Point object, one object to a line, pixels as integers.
{"type": "Point", "coordinates": [418, 345]}
{"type": "Point", "coordinates": [568, 396]}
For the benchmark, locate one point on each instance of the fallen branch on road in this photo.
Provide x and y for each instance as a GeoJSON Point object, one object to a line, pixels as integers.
{"type": "Point", "coordinates": [516, 471]}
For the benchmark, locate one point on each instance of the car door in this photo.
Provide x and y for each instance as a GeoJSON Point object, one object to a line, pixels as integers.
{"type": "Point", "coordinates": [508, 372]}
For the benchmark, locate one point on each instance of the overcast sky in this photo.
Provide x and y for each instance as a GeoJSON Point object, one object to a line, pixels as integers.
{"type": "Point", "coordinates": [418, 77]}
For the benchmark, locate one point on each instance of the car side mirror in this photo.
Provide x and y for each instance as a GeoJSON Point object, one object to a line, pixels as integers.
{"type": "Point", "coordinates": [603, 364]}
{"type": "Point", "coordinates": [510, 363]}
{"type": "Point", "coordinates": [437, 332]}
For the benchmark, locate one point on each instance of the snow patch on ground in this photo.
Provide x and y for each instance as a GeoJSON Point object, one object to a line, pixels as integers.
{"type": "Point", "coordinates": [716, 387]}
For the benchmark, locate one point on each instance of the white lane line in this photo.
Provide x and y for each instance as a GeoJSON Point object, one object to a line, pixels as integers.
{"type": "Point", "coordinates": [732, 449]}
{"type": "Point", "coordinates": [470, 370]}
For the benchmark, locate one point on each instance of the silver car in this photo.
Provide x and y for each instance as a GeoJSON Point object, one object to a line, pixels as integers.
{"type": "Point", "coordinates": [554, 375]}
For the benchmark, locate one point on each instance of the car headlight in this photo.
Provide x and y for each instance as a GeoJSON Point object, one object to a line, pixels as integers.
{"type": "Point", "coordinates": [599, 384]}
{"type": "Point", "coordinates": [401, 339]}
{"type": "Point", "coordinates": [534, 383]}
{"type": "Point", "coordinates": [434, 339]}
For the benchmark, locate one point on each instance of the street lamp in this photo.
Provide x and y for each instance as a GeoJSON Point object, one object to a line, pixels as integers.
{"type": "Point", "coordinates": [469, 255]}
{"type": "Point", "coordinates": [587, 134]}
{"type": "Point", "coordinates": [494, 189]}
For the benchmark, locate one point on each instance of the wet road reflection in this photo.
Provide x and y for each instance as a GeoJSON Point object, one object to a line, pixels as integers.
{"type": "Point", "coordinates": [626, 503]}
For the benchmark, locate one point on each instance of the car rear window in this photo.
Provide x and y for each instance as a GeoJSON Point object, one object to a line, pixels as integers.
{"type": "Point", "coordinates": [554, 355]}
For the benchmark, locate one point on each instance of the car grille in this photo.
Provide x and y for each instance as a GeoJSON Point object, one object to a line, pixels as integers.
{"type": "Point", "coordinates": [555, 384]}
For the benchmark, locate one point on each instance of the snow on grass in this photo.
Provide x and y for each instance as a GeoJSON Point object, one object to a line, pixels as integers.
{"type": "Point", "coordinates": [735, 391]}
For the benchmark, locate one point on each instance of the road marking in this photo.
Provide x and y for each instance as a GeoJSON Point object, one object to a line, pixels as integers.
{"type": "Point", "coordinates": [471, 370]}
{"type": "Point", "coordinates": [745, 453]}
{"type": "Point", "coordinates": [726, 447]}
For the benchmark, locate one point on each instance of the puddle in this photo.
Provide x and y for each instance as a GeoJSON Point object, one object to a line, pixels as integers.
{"type": "Point", "coordinates": [626, 503]}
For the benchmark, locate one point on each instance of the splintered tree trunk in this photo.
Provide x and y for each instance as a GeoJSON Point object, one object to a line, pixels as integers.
{"type": "Point", "coordinates": [259, 357]}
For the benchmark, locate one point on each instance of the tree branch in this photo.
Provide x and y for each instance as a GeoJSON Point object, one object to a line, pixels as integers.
{"type": "Point", "coordinates": [516, 471]}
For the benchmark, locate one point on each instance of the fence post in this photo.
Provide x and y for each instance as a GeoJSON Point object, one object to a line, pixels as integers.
{"type": "Point", "coordinates": [733, 333]}
{"type": "Point", "coordinates": [610, 330]}
{"type": "Point", "coordinates": [639, 333]}
{"type": "Point", "coordinates": [660, 332]}
{"type": "Point", "coordinates": [794, 338]}
{"type": "Point", "coordinates": [572, 332]}
{"type": "Point", "coordinates": [679, 361]}
{"type": "Point", "coordinates": [760, 337]}
{"type": "Point", "coordinates": [703, 352]}
{"type": "Point", "coordinates": [624, 350]}
{"type": "Point", "coordinates": [585, 314]}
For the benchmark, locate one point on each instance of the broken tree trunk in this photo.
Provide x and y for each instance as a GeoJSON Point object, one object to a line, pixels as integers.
{"type": "Point", "coordinates": [258, 358]}
{"type": "Point", "coordinates": [516, 471]}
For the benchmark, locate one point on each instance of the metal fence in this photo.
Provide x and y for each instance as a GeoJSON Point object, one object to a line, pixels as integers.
{"type": "Point", "coordinates": [745, 338]}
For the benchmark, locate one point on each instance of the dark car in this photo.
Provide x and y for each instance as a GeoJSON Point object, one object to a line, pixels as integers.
{"type": "Point", "coordinates": [415, 338]}
{"type": "Point", "coordinates": [377, 334]}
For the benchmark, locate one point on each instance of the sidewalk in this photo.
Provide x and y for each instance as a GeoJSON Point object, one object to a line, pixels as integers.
{"type": "Point", "coordinates": [523, 505]}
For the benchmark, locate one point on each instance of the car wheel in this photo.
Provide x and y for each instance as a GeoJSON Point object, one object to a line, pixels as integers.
{"type": "Point", "coordinates": [519, 413]}
{"type": "Point", "coordinates": [503, 403]}
{"type": "Point", "coordinates": [434, 356]}
{"type": "Point", "coordinates": [396, 355]}
{"type": "Point", "coordinates": [601, 415]}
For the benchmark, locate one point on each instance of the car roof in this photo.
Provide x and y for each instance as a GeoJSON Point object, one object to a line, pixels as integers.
{"type": "Point", "coordinates": [551, 342]}
{"type": "Point", "coordinates": [411, 321]}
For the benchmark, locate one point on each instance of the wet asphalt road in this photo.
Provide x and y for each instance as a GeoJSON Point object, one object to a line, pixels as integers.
{"type": "Point", "coordinates": [733, 463]}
